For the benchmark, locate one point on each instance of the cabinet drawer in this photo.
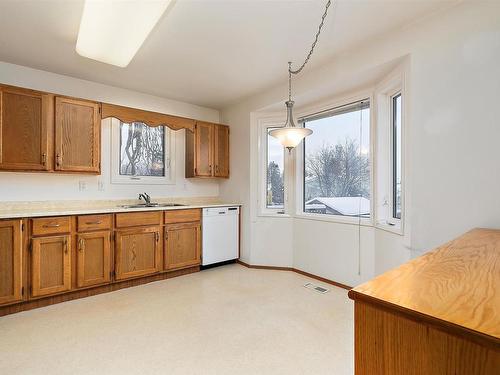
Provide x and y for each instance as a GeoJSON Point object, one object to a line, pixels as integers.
{"type": "Point", "coordinates": [93, 222]}
{"type": "Point", "coordinates": [51, 225]}
{"type": "Point", "coordinates": [182, 216]}
{"type": "Point", "coordinates": [135, 219]}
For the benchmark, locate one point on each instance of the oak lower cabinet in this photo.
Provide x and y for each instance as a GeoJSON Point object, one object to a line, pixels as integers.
{"type": "Point", "coordinates": [50, 265]}
{"type": "Point", "coordinates": [10, 261]}
{"type": "Point", "coordinates": [93, 258]}
{"type": "Point", "coordinates": [137, 252]}
{"type": "Point", "coordinates": [182, 245]}
{"type": "Point", "coordinates": [26, 120]}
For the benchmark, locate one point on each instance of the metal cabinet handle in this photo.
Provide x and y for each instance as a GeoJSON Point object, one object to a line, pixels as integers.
{"type": "Point", "coordinates": [93, 222]}
{"type": "Point", "coordinates": [58, 160]}
{"type": "Point", "coordinates": [51, 225]}
{"type": "Point", "coordinates": [157, 236]}
{"type": "Point", "coordinates": [44, 158]}
{"type": "Point", "coordinates": [65, 247]}
{"type": "Point", "coordinates": [81, 244]}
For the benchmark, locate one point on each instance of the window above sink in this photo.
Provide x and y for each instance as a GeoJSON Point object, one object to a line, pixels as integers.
{"type": "Point", "coordinates": [140, 154]}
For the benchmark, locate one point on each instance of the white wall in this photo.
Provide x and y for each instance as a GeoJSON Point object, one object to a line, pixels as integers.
{"type": "Point", "coordinates": [452, 154]}
{"type": "Point", "coordinates": [39, 186]}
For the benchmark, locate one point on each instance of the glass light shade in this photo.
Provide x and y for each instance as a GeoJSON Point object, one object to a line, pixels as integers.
{"type": "Point", "coordinates": [290, 135]}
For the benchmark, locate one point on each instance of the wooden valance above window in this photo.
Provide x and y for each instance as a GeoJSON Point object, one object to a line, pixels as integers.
{"type": "Point", "coordinates": [126, 114]}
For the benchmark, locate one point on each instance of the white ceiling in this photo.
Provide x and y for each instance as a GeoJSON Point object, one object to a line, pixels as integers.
{"type": "Point", "coordinates": [206, 52]}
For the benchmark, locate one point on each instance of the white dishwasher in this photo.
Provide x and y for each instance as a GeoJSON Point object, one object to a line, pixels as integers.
{"type": "Point", "coordinates": [220, 234]}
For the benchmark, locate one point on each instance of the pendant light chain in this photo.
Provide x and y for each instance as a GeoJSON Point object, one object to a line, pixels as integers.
{"type": "Point", "coordinates": [297, 71]}
{"type": "Point", "coordinates": [290, 135]}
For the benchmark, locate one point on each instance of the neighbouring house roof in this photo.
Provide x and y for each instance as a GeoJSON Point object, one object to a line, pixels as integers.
{"type": "Point", "coordinates": [348, 206]}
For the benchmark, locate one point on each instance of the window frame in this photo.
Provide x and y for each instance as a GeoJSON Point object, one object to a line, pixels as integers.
{"type": "Point", "coordinates": [169, 152]}
{"type": "Point", "coordinates": [392, 86]}
{"type": "Point", "coordinates": [393, 183]}
{"type": "Point", "coordinates": [300, 162]}
{"type": "Point", "coordinates": [263, 125]}
{"type": "Point", "coordinates": [279, 210]}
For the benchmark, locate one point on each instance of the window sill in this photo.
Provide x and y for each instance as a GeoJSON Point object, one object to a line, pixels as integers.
{"type": "Point", "coordinates": [366, 222]}
{"type": "Point", "coordinates": [274, 215]}
{"type": "Point", "coordinates": [121, 180]}
{"type": "Point", "coordinates": [395, 229]}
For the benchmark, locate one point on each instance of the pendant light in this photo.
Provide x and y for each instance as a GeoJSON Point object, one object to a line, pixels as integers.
{"type": "Point", "coordinates": [290, 135]}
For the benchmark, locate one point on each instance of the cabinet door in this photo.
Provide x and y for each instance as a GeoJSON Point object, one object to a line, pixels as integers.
{"type": "Point", "coordinates": [93, 258]}
{"type": "Point", "coordinates": [137, 252]}
{"type": "Point", "coordinates": [78, 133]}
{"type": "Point", "coordinates": [182, 245]}
{"type": "Point", "coordinates": [10, 261]}
{"type": "Point", "coordinates": [50, 265]}
{"type": "Point", "coordinates": [25, 121]}
{"type": "Point", "coordinates": [204, 134]}
{"type": "Point", "coordinates": [221, 151]}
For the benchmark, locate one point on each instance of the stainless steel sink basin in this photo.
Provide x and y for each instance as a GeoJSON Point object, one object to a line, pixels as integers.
{"type": "Point", "coordinates": [144, 205]}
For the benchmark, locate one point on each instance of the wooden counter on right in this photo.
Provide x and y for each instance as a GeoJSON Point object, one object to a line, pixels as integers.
{"type": "Point", "coordinates": [437, 314]}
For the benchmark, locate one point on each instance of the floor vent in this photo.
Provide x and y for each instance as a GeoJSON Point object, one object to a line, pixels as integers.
{"type": "Point", "coordinates": [316, 288]}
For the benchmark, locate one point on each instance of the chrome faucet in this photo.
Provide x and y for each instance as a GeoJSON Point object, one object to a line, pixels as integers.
{"type": "Point", "coordinates": [145, 197]}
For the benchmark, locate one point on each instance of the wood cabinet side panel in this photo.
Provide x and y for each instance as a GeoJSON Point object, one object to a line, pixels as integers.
{"type": "Point", "coordinates": [11, 265]}
{"type": "Point", "coordinates": [387, 343]}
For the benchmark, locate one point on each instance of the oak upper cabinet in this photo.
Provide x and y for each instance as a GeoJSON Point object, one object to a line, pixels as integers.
{"type": "Point", "coordinates": [137, 252]}
{"type": "Point", "coordinates": [221, 151]}
{"type": "Point", "coordinates": [10, 261]}
{"type": "Point", "coordinates": [207, 150]}
{"type": "Point", "coordinates": [50, 265]}
{"type": "Point", "coordinates": [26, 121]}
{"type": "Point", "coordinates": [93, 258]}
{"type": "Point", "coordinates": [77, 135]}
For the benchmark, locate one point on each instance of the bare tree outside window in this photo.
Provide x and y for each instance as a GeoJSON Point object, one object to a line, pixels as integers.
{"type": "Point", "coordinates": [337, 163]}
{"type": "Point", "coordinates": [339, 171]}
{"type": "Point", "coordinates": [142, 150]}
{"type": "Point", "coordinates": [275, 194]}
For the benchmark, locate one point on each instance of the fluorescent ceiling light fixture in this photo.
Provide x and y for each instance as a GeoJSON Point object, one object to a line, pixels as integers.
{"type": "Point", "coordinates": [112, 31]}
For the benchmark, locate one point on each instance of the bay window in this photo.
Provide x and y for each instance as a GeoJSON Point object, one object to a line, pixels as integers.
{"type": "Point", "coordinates": [336, 162]}
{"type": "Point", "coordinates": [275, 181]}
{"type": "Point", "coordinates": [396, 155]}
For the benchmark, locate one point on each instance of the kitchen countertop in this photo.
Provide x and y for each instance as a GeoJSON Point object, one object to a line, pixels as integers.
{"type": "Point", "coordinates": [11, 210]}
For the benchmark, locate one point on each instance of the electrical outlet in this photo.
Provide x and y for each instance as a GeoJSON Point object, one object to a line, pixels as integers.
{"type": "Point", "coordinates": [82, 185]}
{"type": "Point", "coordinates": [100, 185]}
